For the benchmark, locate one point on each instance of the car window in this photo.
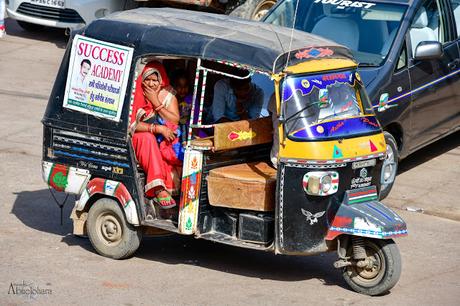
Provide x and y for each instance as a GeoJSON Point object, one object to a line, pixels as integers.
{"type": "Point", "coordinates": [456, 10]}
{"type": "Point", "coordinates": [367, 28]}
{"type": "Point", "coordinates": [427, 25]}
{"type": "Point", "coordinates": [402, 60]}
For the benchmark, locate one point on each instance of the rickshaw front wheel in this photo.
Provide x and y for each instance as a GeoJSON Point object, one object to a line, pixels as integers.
{"type": "Point", "coordinates": [381, 274]}
{"type": "Point", "coordinates": [109, 232]}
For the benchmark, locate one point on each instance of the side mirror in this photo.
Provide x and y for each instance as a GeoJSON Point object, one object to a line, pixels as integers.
{"type": "Point", "coordinates": [281, 117]}
{"type": "Point", "coordinates": [383, 102]}
{"type": "Point", "coordinates": [427, 50]}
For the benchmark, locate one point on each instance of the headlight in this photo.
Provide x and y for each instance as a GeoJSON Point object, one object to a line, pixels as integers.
{"type": "Point", "coordinates": [321, 183]}
{"type": "Point", "coordinates": [326, 183]}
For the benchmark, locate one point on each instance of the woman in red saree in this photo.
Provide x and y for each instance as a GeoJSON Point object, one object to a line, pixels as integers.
{"type": "Point", "coordinates": [154, 101]}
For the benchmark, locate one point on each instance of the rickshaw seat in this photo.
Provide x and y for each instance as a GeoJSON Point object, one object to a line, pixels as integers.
{"type": "Point", "coordinates": [243, 186]}
{"type": "Point", "coordinates": [207, 142]}
{"type": "Point", "coordinates": [237, 134]}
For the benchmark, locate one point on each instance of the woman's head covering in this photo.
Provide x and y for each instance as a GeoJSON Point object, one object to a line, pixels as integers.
{"type": "Point", "coordinates": [158, 69]}
{"type": "Point", "coordinates": [141, 105]}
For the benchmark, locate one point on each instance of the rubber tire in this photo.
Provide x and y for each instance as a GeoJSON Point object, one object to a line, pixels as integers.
{"type": "Point", "coordinates": [248, 9]}
{"type": "Point", "coordinates": [389, 139]}
{"type": "Point", "coordinates": [131, 235]}
{"type": "Point", "coordinates": [30, 27]}
{"type": "Point", "coordinates": [390, 252]}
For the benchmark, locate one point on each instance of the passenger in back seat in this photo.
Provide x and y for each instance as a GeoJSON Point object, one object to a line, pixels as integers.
{"type": "Point", "coordinates": [181, 85]}
{"type": "Point", "coordinates": [236, 99]}
{"type": "Point", "coordinates": [155, 114]}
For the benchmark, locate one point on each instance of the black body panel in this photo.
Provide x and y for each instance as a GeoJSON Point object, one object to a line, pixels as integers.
{"type": "Point", "coordinates": [103, 157]}
{"type": "Point", "coordinates": [298, 234]}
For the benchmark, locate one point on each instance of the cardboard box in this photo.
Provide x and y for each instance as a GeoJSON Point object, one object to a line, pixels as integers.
{"type": "Point", "coordinates": [250, 186]}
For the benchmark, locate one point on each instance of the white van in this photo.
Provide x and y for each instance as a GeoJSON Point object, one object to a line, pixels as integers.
{"type": "Point", "coordinates": [73, 14]}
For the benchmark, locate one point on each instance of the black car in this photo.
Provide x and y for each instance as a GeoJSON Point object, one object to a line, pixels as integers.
{"type": "Point", "coordinates": [408, 53]}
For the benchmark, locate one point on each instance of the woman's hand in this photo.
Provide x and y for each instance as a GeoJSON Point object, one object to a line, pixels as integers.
{"type": "Point", "coordinates": [152, 94]}
{"type": "Point", "coordinates": [167, 133]}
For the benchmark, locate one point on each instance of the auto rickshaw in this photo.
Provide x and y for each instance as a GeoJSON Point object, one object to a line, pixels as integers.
{"type": "Point", "coordinates": [323, 195]}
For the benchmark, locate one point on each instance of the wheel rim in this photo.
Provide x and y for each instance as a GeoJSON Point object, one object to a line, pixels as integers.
{"type": "Point", "coordinates": [109, 229]}
{"type": "Point", "coordinates": [372, 274]}
{"type": "Point", "coordinates": [262, 9]}
{"type": "Point", "coordinates": [390, 162]}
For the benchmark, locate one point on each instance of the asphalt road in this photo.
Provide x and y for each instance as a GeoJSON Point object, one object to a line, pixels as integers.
{"type": "Point", "coordinates": [36, 250]}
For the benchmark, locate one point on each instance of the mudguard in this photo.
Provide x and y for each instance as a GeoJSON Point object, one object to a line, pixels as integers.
{"type": "Point", "coordinates": [359, 217]}
{"type": "Point", "coordinates": [112, 189]}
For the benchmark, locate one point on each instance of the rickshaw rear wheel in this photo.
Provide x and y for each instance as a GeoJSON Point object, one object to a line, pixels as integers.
{"type": "Point", "coordinates": [109, 232]}
{"type": "Point", "coordinates": [383, 272]}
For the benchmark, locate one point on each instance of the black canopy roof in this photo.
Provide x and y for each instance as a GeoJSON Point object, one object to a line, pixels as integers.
{"type": "Point", "coordinates": [167, 31]}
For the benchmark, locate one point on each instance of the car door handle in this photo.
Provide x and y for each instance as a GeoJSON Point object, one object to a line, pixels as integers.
{"type": "Point", "coordinates": [454, 64]}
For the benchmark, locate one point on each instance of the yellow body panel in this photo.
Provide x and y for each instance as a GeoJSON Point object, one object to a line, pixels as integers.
{"type": "Point", "coordinates": [329, 150]}
{"type": "Point", "coordinates": [325, 150]}
{"type": "Point", "coordinates": [321, 65]}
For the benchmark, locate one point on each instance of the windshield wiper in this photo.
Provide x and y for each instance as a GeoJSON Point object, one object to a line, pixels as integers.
{"type": "Point", "coordinates": [339, 115]}
{"type": "Point", "coordinates": [300, 111]}
{"type": "Point", "coordinates": [367, 65]}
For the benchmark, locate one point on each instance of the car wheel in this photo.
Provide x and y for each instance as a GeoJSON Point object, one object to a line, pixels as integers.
{"type": "Point", "coordinates": [30, 27]}
{"type": "Point", "coordinates": [383, 272]}
{"type": "Point", "coordinates": [109, 232]}
{"type": "Point", "coordinates": [390, 166]}
{"type": "Point", "coordinates": [253, 9]}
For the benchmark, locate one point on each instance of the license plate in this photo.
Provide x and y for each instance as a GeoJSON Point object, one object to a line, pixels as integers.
{"type": "Point", "coordinates": [49, 3]}
{"type": "Point", "coordinates": [363, 164]}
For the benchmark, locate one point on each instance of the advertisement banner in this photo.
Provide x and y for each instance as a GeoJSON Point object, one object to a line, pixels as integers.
{"type": "Point", "coordinates": [97, 78]}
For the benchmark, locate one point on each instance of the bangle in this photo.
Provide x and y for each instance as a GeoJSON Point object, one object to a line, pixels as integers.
{"type": "Point", "coordinates": [151, 128]}
{"type": "Point", "coordinates": [159, 107]}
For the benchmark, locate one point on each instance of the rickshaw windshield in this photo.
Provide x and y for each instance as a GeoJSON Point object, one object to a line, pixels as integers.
{"type": "Point", "coordinates": [327, 106]}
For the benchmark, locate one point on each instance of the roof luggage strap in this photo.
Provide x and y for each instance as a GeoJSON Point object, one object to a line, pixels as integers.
{"type": "Point", "coordinates": [226, 74]}
{"type": "Point", "coordinates": [241, 66]}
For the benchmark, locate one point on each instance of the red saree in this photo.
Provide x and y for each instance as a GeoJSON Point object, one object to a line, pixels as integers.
{"type": "Point", "coordinates": [154, 158]}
